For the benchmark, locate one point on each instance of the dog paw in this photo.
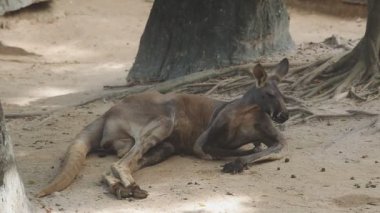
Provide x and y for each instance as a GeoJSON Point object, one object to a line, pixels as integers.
{"type": "Point", "coordinates": [234, 167]}
{"type": "Point", "coordinates": [132, 191]}
{"type": "Point", "coordinates": [139, 193]}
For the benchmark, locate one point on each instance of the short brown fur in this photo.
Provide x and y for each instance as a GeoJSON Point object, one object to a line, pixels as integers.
{"type": "Point", "coordinates": [147, 128]}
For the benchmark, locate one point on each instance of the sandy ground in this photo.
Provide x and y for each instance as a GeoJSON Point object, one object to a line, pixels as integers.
{"type": "Point", "coordinates": [74, 48]}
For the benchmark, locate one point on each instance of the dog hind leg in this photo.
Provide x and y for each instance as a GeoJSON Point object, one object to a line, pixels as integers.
{"type": "Point", "coordinates": [151, 135]}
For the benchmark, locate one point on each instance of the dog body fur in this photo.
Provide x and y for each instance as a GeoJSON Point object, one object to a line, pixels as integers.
{"type": "Point", "coordinates": [146, 128]}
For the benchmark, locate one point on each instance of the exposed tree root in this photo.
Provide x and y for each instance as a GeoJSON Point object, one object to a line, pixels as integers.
{"type": "Point", "coordinates": [340, 73]}
{"type": "Point", "coordinates": [359, 67]}
{"type": "Point", "coordinates": [352, 94]}
{"type": "Point", "coordinates": [303, 115]}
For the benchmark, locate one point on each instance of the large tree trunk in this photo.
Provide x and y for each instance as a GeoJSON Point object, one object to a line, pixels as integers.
{"type": "Point", "coordinates": [183, 36]}
{"type": "Point", "coordinates": [12, 5]}
{"type": "Point", "coordinates": [12, 193]}
{"type": "Point", "coordinates": [361, 66]}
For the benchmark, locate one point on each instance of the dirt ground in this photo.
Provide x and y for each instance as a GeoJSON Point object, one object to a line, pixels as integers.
{"type": "Point", "coordinates": [71, 49]}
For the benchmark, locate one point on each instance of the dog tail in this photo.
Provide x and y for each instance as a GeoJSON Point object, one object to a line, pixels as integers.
{"type": "Point", "coordinates": [86, 140]}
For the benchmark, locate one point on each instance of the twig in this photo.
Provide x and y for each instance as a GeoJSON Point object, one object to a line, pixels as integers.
{"type": "Point", "coordinates": [215, 87]}
{"type": "Point", "coordinates": [236, 86]}
{"type": "Point", "coordinates": [361, 112]}
{"type": "Point", "coordinates": [115, 86]}
{"type": "Point", "coordinates": [170, 85]}
{"type": "Point", "coordinates": [358, 2]}
{"type": "Point", "coordinates": [27, 114]}
{"type": "Point", "coordinates": [316, 63]}
{"type": "Point", "coordinates": [351, 113]}
{"type": "Point", "coordinates": [238, 81]}
{"type": "Point", "coordinates": [311, 115]}
{"type": "Point", "coordinates": [296, 110]}
{"type": "Point", "coordinates": [352, 94]}
{"type": "Point", "coordinates": [224, 83]}
{"type": "Point", "coordinates": [293, 99]}
{"type": "Point", "coordinates": [201, 85]}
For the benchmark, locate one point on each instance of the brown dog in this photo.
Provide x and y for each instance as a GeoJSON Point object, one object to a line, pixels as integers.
{"type": "Point", "coordinates": [147, 128]}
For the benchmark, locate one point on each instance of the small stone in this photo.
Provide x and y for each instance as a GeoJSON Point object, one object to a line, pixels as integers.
{"type": "Point", "coordinates": [323, 170]}
{"type": "Point", "coordinates": [229, 193]}
{"type": "Point", "coordinates": [189, 183]}
{"type": "Point", "coordinates": [286, 160]}
{"type": "Point", "coordinates": [376, 161]}
{"type": "Point", "coordinates": [292, 176]}
{"type": "Point", "coordinates": [61, 209]}
{"type": "Point", "coordinates": [278, 168]}
{"type": "Point", "coordinates": [31, 182]}
{"type": "Point", "coordinates": [356, 185]}
{"type": "Point", "coordinates": [102, 154]}
{"type": "Point", "coordinates": [57, 204]}
{"type": "Point", "coordinates": [184, 198]}
{"type": "Point", "coordinates": [370, 185]}
{"type": "Point", "coordinates": [365, 156]}
{"type": "Point", "coordinates": [352, 178]}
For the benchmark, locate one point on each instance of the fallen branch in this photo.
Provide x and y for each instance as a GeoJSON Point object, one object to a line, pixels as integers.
{"type": "Point", "coordinates": [316, 63]}
{"type": "Point", "coordinates": [311, 115]}
{"type": "Point", "coordinates": [238, 85]}
{"type": "Point", "coordinates": [295, 100]}
{"type": "Point", "coordinates": [115, 86]}
{"type": "Point", "coordinates": [215, 87]}
{"type": "Point", "coordinates": [27, 114]}
{"type": "Point", "coordinates": [170, 85]}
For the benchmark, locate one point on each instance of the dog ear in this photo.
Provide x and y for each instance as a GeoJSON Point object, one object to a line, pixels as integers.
{"type": "Point", "coordinates": [281, 70]}
{"type": "Point", "coordinates": [260, 75]}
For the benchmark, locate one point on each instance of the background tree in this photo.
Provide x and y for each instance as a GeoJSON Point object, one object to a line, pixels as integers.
{"type": "Point", "coordinates": [12, 5]}
{"type": "Point", "coordinates": [183, 37]}
{"type": "Point", "coordinates": [12, 193]}
{"type": "Point", "coordinates": [360, 66]}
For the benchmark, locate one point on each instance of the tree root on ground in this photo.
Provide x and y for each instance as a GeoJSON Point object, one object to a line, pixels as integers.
{"type": "Point", "coordinates": [335, 76]}
{"type": "Point", "coordinates": [303, 115]}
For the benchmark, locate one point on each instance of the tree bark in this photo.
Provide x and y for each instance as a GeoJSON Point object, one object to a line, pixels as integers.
{"type": "Point", "coordinates": [12, 5]}
{"type": "Point", "coordinates": [12, 193]}
{"type": "Point", "coordinates": [182, 37]}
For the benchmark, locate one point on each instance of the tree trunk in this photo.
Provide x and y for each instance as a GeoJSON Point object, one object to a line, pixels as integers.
{"type": "Point", "coordinates": [12, 193]}
{"type": "Point", "coordinates": [182, 37]}
{"type": "Point", "coordinates": [12, 5]}
{"type": "Point", "coordinates": [361, 66]}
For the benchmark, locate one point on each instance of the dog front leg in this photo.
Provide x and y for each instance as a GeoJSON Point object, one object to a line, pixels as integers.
{"type": "Point", "coordinates": [270, 137]}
